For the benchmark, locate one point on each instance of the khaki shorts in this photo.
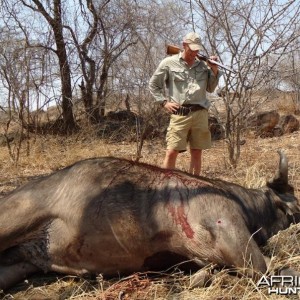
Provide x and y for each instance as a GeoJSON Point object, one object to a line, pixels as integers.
{"type": "Point", "coordinates": [191, 129]}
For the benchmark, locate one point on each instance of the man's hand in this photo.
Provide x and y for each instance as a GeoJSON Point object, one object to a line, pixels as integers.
{"type": "Point", "coordinates": [171, 107]}
{"type": "Point", "coordinates": [213, 66]}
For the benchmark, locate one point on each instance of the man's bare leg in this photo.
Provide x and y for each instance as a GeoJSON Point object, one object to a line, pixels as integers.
{"type": "Point", "coordinates": [195, 164]}
{"type": "Point", "coordinates": [170, 159]}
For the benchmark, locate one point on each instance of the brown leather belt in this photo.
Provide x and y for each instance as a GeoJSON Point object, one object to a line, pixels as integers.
{"type": "Point", "coordinates": [184, 110]}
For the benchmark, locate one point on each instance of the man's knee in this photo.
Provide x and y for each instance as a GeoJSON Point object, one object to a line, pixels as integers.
{"type": "Point", "coordinates": [171, 153]}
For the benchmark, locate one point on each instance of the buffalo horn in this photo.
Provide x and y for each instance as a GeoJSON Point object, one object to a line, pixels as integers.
{"type": "Point", "coordinates": [282, 174]}
{"type": "Point", "coordinates": [280, 181]}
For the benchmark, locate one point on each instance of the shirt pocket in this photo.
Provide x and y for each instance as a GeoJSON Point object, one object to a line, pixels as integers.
{"type": "Point", "coordinates": [178, 74]}
{"type": "Point", "coordinates": [200, 76]}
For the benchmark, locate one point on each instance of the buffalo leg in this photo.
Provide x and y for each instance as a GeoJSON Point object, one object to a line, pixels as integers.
{"type": "Point", "coordinates": [11, 275]}
{"type": "Point", "coordinates": [238, 249]}
{"type": "Point", "coordinates": [228, 243]}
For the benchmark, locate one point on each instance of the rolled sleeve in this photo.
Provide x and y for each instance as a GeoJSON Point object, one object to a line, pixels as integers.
{"type": "Point", "coordinates": [213, 81]}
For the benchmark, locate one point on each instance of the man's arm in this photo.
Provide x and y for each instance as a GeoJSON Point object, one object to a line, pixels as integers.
{"type": "Point", "coordinates": [157, 83]}
{"type": "Point", "coordinates": [214, 75]}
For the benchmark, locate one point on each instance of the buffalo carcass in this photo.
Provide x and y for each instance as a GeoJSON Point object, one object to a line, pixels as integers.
{"type": "Point", "coordinates": [114, 216]}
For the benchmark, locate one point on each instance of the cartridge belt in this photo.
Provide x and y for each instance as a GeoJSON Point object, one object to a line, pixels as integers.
{"type": "Point", "coordinates": [186, 109]}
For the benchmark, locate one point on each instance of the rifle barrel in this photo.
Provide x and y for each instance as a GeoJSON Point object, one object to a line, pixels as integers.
{"type": "Point", "coordinates": [207, 59]}
{"type": "Point", "coordinates": [171, 49]}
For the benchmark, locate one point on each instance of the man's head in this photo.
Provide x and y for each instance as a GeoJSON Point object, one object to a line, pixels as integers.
{"type": "Point", "coordinates": [193, 40]}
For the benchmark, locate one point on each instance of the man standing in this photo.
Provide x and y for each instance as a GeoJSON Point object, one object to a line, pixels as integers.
{"type": "Point", "coordinates": [187, 80]}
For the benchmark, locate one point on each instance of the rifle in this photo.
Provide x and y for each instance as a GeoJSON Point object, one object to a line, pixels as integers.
{"type": "Point", "coordinates": [171, 50]}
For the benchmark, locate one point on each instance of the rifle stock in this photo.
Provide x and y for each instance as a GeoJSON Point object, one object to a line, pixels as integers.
{"type": "Point", "coordinates": [171, 50]}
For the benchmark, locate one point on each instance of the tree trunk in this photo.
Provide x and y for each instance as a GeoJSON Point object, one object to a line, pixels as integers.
{"type": "Point", "coordinates": [65, 72]}
{"type": "Point", "coordinates": [66, 90]}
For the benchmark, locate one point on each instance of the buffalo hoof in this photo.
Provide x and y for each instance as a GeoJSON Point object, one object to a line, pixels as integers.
{"type": "Point", "coordinates": [200, 279]}
{"type": "Point", "coordinates": [288, 272]}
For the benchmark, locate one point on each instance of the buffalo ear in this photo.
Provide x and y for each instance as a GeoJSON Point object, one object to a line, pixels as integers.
{"type": "Point", "coordinates": [287, 203]}
{"type": "Point", "coordinates": [289, 208]}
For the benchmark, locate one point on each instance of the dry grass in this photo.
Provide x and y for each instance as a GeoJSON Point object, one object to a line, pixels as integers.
{"type": "Point", "coordinates": [258, 164]}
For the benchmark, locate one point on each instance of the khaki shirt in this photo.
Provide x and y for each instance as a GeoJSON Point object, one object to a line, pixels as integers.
{"type": "Point", "coordinates": [186, 85]}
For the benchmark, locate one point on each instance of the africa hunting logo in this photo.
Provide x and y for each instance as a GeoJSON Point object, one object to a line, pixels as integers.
{"type": "Point", "coordinates": [280, 285]}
